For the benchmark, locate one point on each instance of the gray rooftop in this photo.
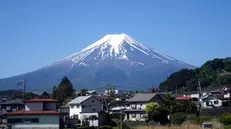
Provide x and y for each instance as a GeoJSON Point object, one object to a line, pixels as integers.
{"type": "Point", "coordinates": [142, 97]}
{"type": "Point", "coordinates": [79, 99]}
{"type": "Point", "coordinates": [13, 101]}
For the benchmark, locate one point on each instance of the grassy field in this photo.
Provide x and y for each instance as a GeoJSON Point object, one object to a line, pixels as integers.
{"type": "Point", "coordinates": [187, 126]}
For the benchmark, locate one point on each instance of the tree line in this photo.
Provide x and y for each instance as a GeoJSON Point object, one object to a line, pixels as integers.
{"type": "Point", "coordinates": [213, 74]}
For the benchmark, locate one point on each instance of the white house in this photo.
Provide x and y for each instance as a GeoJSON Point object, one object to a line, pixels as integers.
{"type": "Point", "coordinates": [138, 103]}
{"type": "Point", "coordinates": [38, 113]}
{"type": "Point", "coordinates": [84, 106]}
{"type": "Point", "coordinates": [211, 101]}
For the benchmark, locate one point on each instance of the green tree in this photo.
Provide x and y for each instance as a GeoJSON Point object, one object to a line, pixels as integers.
{"type": "Point", "coordinates": [151, 109]}
{"type": "Point", "coordinates": [65, 90]}
{"type": "Point", "coordinates": [54, 92]}
{"type": "Point", "coordinates": [45, 95]}
{"type": "Point", "coordinates": [83, 92]}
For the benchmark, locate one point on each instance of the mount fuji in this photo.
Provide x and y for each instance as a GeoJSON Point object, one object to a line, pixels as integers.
{"type": "Point", "coordinates": [116, 59]}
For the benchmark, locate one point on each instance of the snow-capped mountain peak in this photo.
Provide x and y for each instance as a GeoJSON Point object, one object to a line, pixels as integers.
{"type": "Point", "coordinates": [114, 59]}
{"type": "Point", "coordinates": [117, 49]}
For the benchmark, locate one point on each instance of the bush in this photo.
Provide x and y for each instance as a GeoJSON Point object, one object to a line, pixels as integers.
{"type": "Point", "coordinates": [228, 127]}
{"type": "Point", "coordinates": [225, 119]}
{"type": "Point", "coordinates": [178, 118]}
{"type": "Point", "coordinates": [200, 120]}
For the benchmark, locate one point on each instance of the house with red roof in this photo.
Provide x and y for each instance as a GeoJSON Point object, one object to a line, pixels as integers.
{"type": "Point", "coordinates": [38, 113]}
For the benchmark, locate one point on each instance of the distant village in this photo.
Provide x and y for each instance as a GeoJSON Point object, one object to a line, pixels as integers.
{"type": "Point", "coordinates": [113, 108]}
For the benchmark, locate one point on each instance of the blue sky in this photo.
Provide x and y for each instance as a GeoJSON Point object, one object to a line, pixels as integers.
{"type": "Point", "coordinates": [36, 33]}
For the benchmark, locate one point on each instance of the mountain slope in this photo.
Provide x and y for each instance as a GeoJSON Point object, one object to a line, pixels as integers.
{"type": "Point", "coordinates": [212, 75]}
{"type": "Point", "coordinates": [116, 58]}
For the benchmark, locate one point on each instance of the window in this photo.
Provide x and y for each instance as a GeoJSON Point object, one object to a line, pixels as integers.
{"type": "Point", "coordinates": [216, 102]}
{"type": "Point", "coordinates": [34, 120]}
{"type": "Point", "coordinates": [8, 108]}
{"type": "Point", "coordinates": [133, 106]}
{"type": "Point", "coordinates": [133, 115]}
{"type": "Point", "coordinates": [14, 120]}
{"type": "Point", "coordinates": [18, 120]}
{"type": "Point", "coordinates": [89, 105]}
{"type": "Point", "coordinates": [141, 105]}
{"type": "Point", "coordinates": [208, 103]}
{"type": "Point", "coordinates": [72, 106]}
{"type": "Point", "coordinates": [83, 106]}
{"type": "Point", "coordinates": [26, 120]}
{"type": "Point", "coordinates": [94, 109]}
{"type": "Point", "coordinates": [93, 101]}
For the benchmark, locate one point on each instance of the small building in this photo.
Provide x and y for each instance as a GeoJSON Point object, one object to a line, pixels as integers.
{"type": "Point", "coordinates": [38, 113]}
{"type": "Point", "coordinates": [9, 106]}
{"type": "Point", "coordinates": [138, 103]}
{"type": "Point", "coordinates": [211, 101]}
{"type": "Point", "coordinates": [82, 107]}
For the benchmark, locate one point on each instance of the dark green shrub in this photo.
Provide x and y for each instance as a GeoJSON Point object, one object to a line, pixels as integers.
{"type": "Point", "coordinates": [226, 119]}
{"type": "Point", "coordinates": [178, 118]}
{"type": "Point", "coordinates": [228, 127]}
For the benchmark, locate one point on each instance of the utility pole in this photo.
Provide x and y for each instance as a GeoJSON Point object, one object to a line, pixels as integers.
{"type": "Point", "coordinates": [121, 117]}
{"type": "Point", "coordinates": [200, 95]}
{"type": "Point", "coordinates": [24, 91]}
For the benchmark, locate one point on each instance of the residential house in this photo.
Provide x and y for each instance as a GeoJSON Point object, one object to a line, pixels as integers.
{"type": "Point", "coordinates": [83, 107]}
{"type": "Point", "coordinates": [38, 113]}
{"type": "Point", "coordinates": [137, 104]}
{"type": "Point", "coordinates": [9, 106]}
{"type": "Point", "coordinates": [211, 101]}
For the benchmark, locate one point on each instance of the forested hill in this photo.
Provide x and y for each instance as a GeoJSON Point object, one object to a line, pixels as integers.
{"type": "Point", "coordinates": [212, 75]}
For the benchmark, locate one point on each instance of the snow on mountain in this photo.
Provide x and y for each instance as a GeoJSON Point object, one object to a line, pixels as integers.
{"type": "Point", "coordinates": [118, 47]}
{"type": "Point", "coordinates": [115, 58]}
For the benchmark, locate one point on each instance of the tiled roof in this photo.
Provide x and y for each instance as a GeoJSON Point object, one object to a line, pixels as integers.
{"type": "Point", "coordinates": [23, 112]}
{"type": "Point", "coordinates": [142, 97]}
{"type": "Point", "coordinates": [41, 100]}
{"type": "Point", "coordinates": [79, 99]}
{"type": "Point", "coordinates": [183, 98]}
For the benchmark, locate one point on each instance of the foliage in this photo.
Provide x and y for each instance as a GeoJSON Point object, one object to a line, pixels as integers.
{"type": "Point", "coordinates": [226, 119]}
{"type": "Point", "coordinates": [200, 120]}
{"type": "Point", "coordinates": [169, 102]}
{"type": "Point", "coordinates": [151, 107]}
{"type": "Point", "coordinates": [64, 90]}
{"type": "Point", "coordinates": [83, 92]}
{"type": "Point", "coordinates": [45, 95]}
{"type": "Point", "coordinates": [192, 108]}
{"type": "Point", "coordinates": [178, 118]}
{"type": "Point", "coordinates": [161, 116]}
{"type": "Point", "coordinates": [215, 72]}
{"type": "Point", "coordinates": [227, 127]}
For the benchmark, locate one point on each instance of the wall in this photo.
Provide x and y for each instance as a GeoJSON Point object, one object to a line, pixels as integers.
{"type": "Point", "coordinates": [75, 110]}
{"type": "Point", "coordinates": [45, 121]}
{"type": "Point", "coordinates": [89, 105]}
{"type": "Point", "coordinates": [34, 106]}
{"type": "Point", "coordinates": [212, 102]}
{"type": "Point", "coordinates": [227, 95]}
